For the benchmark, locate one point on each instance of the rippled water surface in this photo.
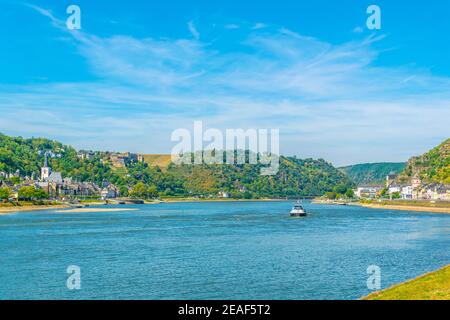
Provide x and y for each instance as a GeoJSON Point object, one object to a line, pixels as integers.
{"type": "Point", "coordinates": [248, 250]}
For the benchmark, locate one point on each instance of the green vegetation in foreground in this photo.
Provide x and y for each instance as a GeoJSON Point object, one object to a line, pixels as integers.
{"type": "Point", "coordinates": [372, 173]}
{"type": "Point", "coordinates": [431, 286]}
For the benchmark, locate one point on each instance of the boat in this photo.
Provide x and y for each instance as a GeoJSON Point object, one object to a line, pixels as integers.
{"type": "Point", "coordinates": [76, 206]}
{"type": "Point", "coordinates": [298, 210]}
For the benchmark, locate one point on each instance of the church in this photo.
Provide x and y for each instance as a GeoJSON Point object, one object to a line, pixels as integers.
{"type": "Point", "coordinates": [53, 183]}
{"type": "Point", "coordinates": [48, 176]}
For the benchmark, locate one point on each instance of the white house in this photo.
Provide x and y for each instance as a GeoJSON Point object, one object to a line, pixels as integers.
{"type": "Point", "coordinates": [394, 189]}
{"type": "Point", "coordinates": [406, 193]}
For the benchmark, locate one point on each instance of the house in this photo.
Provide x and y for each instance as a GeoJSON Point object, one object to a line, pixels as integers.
{"type": "Point", "coordinates": [85, 155]}
{"type": "Point", "coordinates": [406, 193]}
{"type": "Point", "coordinates": [394, 188]}
{"type": "Point", "coordinates": [110, 192]}
{"type": "Point", "coordinates": [439, 192]}
{"type": "Point", "coordinates": [223, 194]}
{"type": "Point", "coordinates": [367, 191]}
{"type": "Point", "coordinates": [416, 182]}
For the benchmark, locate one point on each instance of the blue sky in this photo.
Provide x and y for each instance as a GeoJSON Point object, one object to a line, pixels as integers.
{"type": "Point", "coordinates": [140, 70]}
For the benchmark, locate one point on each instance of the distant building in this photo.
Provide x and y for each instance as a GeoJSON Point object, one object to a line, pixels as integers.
{"type": "Point", "coordinates": [45, 170]}
{"type": "Point", "coordinates": [416, 182]}
{"type": "Point", "coordinates": [223, 194]}
{"type": "Point", "coordinates": [394, 188]}
{"type": "Point", "coordinates": [390, 178]}
{"type": "Point", "coordinates": [119, 160]}
{"type": "Point", "coordinates": [368, 192]}
{"type": "Point", "coordinates": [55, 177]}
{"type": "Point", "coordinates": [85, 155]}
{"type": "Point", "coordinates": [109, 192]}
{"type": "Point", "coordinates": [406, 193]}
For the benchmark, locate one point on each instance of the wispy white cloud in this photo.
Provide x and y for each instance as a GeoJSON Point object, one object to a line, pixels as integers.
{"type": "Point", "coordinates": [329, 100]}
{"type": "Point", "coordinates": [259, 25]}
{"type": "Point", "coordinates": [193, 30]}
{"type": "Point", "coordinates": [232, 26]}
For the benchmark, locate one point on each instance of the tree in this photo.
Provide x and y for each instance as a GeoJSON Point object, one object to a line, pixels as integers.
{"type": "Point", "coordinates": [39, 194]}
{"type": "Point", "coordinates": [5, 193]}
{"type": "Point", "coordinates": [330, 195]}
{"type": "Point", "coordinates": [32, 193]}
{"type": "Point", "coordinates": [152, 191]}
{"type": "Point", "coordinates": [26, 193]}
{"type": "Point", "coordinates": [123, 191]}
{"type": "Point", "coordinates": [340, 188]}
{"type": "Point", "coordinates": [247, 195]}
{"type": "Point", "coordinates": [396, 195]}
{"type": "Point", "coordinates": [14, 180]}
{"type": "Point", "coordinates": [350, 193]}
{"type": "Point", "coordinates": [139, 191]}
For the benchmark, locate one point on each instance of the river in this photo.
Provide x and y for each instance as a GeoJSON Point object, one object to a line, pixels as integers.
{"type": "Point", "coordinates": [220, 250]}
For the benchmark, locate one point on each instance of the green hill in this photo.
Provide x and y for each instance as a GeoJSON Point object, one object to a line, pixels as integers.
{"type": "Point", "coordinates": [433, 166]}
{"type": "Point", "coordinates": [296, 177]}
{"type": "Point", "coordinates": [27, 156]}
{"type": "Point", "coordinates": [372, 173]}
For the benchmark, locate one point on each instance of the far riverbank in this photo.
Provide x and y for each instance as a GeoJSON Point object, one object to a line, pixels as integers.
{"type": "Point", "coordinates": [403, 205]}
{"type": "Point", "coordinates": [445, 210]}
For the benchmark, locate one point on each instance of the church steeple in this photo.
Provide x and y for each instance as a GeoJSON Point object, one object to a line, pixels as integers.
{"type": "Point", "coordinates": [45, 170]}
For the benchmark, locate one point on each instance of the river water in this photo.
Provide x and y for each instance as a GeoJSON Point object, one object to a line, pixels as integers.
{"type": "Point", "coordinates": [222, 250]}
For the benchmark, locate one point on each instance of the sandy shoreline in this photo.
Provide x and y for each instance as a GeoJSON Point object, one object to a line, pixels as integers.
{"type": "Point", "coordinates": [406, 208]}
{"type": "Point", "coordinates": [85, 210]}
{"type": "Point", "coordinates": [11, 210]}
{"type": "Point", "coordinates": [221, 200]}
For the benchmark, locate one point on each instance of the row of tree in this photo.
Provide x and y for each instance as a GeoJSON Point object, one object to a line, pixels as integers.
{"type": "Point", "coordinates": [27, 193]}
{"type": "Point", "coordinates": [340, 191]}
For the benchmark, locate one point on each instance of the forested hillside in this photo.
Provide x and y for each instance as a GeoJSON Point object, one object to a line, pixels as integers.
{"type": "Point", "coordinates": [433, 166]}
{"type": "Point", "coordinates": [372, 173]}
{"type": "Point", "coordinates": [27, 156]}
{"type": "Point", "coordinates": [296, 177]}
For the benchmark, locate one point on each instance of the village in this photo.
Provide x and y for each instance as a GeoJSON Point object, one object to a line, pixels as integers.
{"type": "Point", "coordinates": [416, 190]}
{"type": "Point", "coordinates": [54, 186]}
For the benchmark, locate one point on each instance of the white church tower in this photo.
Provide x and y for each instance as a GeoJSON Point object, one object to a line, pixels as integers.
{"type": "Point", "coordinates": [45, 170]}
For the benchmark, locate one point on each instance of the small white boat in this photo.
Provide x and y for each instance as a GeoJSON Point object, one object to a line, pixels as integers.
{"type": "Point", "coordinates": [297, 210]}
